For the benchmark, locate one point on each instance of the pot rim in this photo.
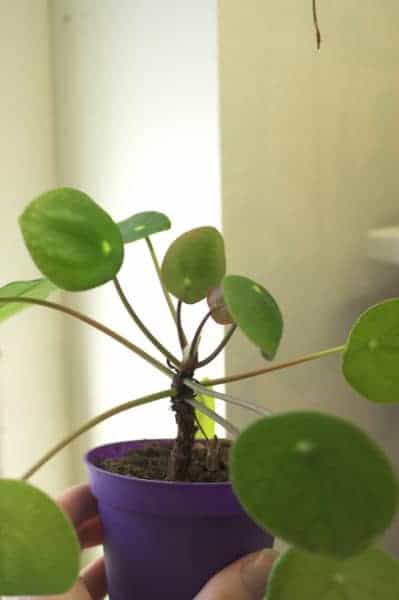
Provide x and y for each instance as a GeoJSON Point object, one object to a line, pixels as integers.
{"type": "Point", "coordinates": [88, 459]}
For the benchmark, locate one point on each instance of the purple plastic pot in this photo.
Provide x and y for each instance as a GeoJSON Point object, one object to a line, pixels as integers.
{"type": "Point", "coordinates": [166, 539]}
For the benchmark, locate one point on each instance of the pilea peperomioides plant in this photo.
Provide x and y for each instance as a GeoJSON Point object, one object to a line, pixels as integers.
{"type": "Point", "coordinates": [316, 481]}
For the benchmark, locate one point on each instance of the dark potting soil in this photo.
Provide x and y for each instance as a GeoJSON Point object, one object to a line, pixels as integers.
{"type": "Point", "coordinates": [209, 464]}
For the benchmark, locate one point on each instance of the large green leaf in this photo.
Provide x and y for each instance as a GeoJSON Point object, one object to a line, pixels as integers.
{"type": "Point", "coordinates": [39, 289]}
{"type": "Point", "coordinates": [73, 241]}
{"type": "Point", "coordinates": [194, 263]}
{"type": "Point", "coordinates": [255, 311]}
{"type": "Point", "coordinates": [39, 550]}
{"type": "Point", "coordinates": [298, 575]}
{"type": "Point", "coordinates": [143, 225]}
{"type": "Point", "coordinates": [315, 480]}
{"type": "Point", "coordinates": [371, 357]}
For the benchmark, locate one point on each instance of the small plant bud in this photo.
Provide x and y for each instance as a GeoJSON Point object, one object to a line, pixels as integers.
{"type": "Point", "coordinates": [215, 300]}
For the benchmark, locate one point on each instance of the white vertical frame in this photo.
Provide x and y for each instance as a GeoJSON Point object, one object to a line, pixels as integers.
{"type": "Point", "coordinates": [137, 117]}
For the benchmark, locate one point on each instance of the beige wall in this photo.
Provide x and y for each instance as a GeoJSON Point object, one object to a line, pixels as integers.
{"type": "Point", "coordinates": [310, 150]}
{"type": "Point", "coordinates": [33, 411]}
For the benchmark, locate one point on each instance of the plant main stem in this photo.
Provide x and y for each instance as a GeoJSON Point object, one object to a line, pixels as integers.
{"type": "Point", "coordinates": [284, 365]}
{"type": "Point", "coordinates": [181, 454]}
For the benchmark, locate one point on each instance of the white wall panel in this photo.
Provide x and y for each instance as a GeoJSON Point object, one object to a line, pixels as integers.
{"type": "Point", "coordinates": [137, 129]}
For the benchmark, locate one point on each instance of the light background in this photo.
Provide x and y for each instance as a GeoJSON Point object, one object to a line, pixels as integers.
{"type": "Point", "coordinates": [124, 103]}
{"type": "Point", "coordinates": [309, 160]}
{"type": "Point", "coordinates": [137, 127]}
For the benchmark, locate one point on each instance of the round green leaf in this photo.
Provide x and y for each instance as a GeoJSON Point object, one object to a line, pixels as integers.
{"type": "Point", "coordinates": [255, 311]}
{"type": "Point", "coordinates": [39, 550]}
{"type": "Point", "coordinates": [194, 263]}
{"type": "Point", "coordinates": [298, 575]}
{"type": "Point", "coordinates": [371, 357]}
{"type": "Point", "coordinates": [39, 289]}
{"type": "Point", "coordinates": [143, 225]}
{"type": "Point", "coordinates": [73, 241]}
{"type": "Point", "coordinates": [316, 481]}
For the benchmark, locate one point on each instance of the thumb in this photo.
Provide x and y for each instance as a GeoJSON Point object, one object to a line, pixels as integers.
{"type": "Point", "coordinates": [245, 579]}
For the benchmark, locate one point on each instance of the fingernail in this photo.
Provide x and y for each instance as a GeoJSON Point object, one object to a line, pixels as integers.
{"type": "Point", "coordinates": [255, 572]}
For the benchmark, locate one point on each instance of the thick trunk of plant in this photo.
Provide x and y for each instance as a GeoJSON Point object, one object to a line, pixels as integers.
{"type": "Point", "coordinates": [180, 457]}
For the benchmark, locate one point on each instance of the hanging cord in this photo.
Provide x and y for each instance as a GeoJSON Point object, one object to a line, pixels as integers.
{"type": "Point", "coordinates": [316, 24]}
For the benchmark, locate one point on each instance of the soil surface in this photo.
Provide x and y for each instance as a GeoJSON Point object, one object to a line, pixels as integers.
{"type": "Point", "coordinates": [209, 464]}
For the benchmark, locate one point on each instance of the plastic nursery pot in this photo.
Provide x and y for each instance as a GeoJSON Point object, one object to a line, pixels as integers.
{"type": "Point", "coordinates": [166, 539]}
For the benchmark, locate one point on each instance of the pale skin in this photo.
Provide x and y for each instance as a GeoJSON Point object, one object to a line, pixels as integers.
{"type": "Point", "coordinates": [245, 579]}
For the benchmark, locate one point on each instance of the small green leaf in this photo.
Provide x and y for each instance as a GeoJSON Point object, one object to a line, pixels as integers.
{"type": "Point", "coordinates": [194, 263]}
{"type": "Point", "coordinates": [73, 241]}
{"type": "Point", "coordinates": [39, 289]}
{"type": "Point", "coordinates": [39, 550]}
{"type": "Point", "coordinates": [371, 357]}
{"type": "Point", "coordinates": [207, 424]}
{"type": "Point", "coordinates": [255, 311]}
{"type": "Point", "coordinates": [143, 225]}
{"type": "Point", "coordinates": [316, 481]}
{"type": "Point", "coordinates": [298, 575]}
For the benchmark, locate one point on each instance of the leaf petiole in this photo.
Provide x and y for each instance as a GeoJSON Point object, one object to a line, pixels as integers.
{"type": "Point", "coordinates": [96, 325]}
{"type": "Point", "coordinates": [212, 415]}
{"type": "Point", "coordinates": [284, 365]}
{"type": "Point", "coordinates": [202, 389]}
{"type": "Point", "coordinates": [90, 424]}
{"type": "Point", "coordinates": [141, 325]}
{"type": "Point", "coordinates": [168, 298]}
{"type": "Point", "coordinates": [180, 330]}
{"type": "Point", "coordinates": [219, 348]}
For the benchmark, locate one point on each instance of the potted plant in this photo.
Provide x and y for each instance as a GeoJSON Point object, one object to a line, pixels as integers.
{"type": "Point", "coordinates": [168, 509]}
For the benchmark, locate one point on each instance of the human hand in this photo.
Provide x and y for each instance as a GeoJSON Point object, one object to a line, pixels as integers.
{"type": "Point", "coordinates": [81, 507]}
{"type": "Point", "coordinates": [244, 579]}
